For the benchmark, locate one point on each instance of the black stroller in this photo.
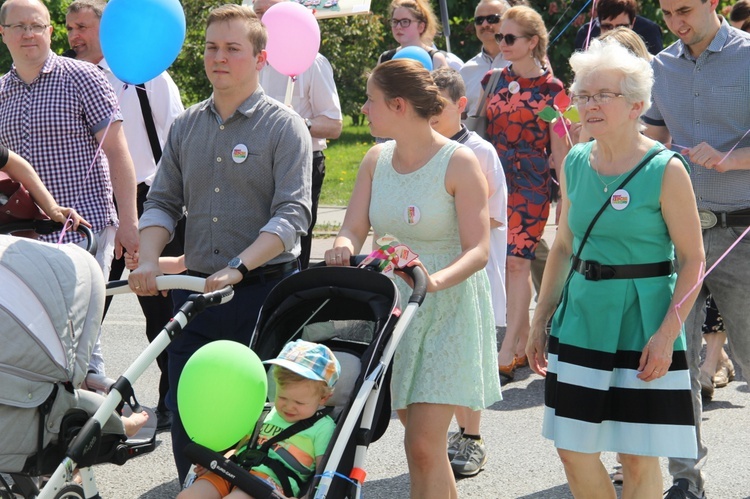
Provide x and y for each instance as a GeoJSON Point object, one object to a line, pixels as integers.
{"type": "Point", "coordinates": [356, 313]}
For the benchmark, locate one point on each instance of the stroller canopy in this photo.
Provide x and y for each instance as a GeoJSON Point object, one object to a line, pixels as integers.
{"type": "Point", "coordinates": [51, 303]}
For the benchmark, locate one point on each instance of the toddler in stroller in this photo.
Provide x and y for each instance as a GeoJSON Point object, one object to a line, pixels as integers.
{"type": "Point", "coordinates": [289, 444]}
{"type": "Point", "coordinates": [50, 311]}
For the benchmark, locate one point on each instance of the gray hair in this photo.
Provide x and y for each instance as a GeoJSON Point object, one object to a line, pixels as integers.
{"type": "Point", "coordinates": [609, 55]}
{"type": "Point", "coordinates": [96, 6]}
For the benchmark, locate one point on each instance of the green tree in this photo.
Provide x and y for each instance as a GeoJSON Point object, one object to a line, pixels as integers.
{"type": "Point", "coordinates": [348, 44]}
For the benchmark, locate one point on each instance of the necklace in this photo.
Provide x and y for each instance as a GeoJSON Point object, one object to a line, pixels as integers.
{"type": "Point", "coordinates": [606, 184]}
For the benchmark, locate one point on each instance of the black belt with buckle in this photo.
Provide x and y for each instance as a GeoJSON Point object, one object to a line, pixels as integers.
{"type": "Point", "coordinates": [267, 272]}
{"type": "Point", "coordinates": [710, 219]}
{"type": "Point", "coordinates": [595, 271]}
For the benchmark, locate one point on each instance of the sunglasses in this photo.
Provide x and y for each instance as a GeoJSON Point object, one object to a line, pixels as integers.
{"type": "Point", "coordinates": [491, 19]}
{"type": "Point", "coordinates": [509, 39]}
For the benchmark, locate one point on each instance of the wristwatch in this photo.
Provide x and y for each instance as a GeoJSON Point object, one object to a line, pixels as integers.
{"type": "Point", "coordinates": [308, 122]}
{"type": "Point", "coordinates": [236, 263]}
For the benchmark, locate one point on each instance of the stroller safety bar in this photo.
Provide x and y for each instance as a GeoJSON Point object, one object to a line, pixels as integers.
{"type": "Point", "coordinates": [45, 227]}
{"type": "Point", "coordinates": [231, 471]}
{"type": "Point", "coordinates": [88, 438]}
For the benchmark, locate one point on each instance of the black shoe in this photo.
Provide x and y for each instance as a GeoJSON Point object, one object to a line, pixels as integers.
{"type": "Point", "coordinates": [163, 419]}
{"type": "Point", "coordinates": [680, 490]}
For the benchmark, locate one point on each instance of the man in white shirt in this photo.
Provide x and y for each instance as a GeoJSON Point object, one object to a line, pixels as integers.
{"type": "Point", "coordinates": [316, 99]}
{"type": "Point", "coordinates": [162, 105]}
{"type": "Point", "coordinates": [486, 22]}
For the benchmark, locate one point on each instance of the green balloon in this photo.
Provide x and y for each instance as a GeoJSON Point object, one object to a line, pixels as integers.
{"type": "Point", "coordinates": [221, 393]}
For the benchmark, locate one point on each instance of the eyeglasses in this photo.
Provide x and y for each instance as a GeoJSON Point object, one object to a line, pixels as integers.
{"type": "Point", "coordinates": [20, 29]}
{"type": "Point", "coordinates": [404, 23]}
{"type": "Point", "coordinates": [610, 26]}
{"type": "Point", "coordinates": [509, 39]}
{"type": "Point", "coordinates": [601, 98]}
{"type": "Point", "coordinates": [491, 19]}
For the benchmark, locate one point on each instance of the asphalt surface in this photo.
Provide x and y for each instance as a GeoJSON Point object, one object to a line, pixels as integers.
{"type": "Point", "coordinates": [522, 464]}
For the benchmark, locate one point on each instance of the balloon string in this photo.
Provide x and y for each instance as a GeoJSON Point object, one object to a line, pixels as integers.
{"type": "Point", "coordinates": [702, 277]}
{"type": "Point", "coordinates": [591, 25]}
{"type": "Point", "coordinates": [733, 147]}
{"type": "Point", "coordinates": [93, 162]}
{"type": "Point", "coordinates": [570, 22]}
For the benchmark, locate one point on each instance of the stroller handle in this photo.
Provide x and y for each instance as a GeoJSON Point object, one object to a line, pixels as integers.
{"type": "Point", "coordinates": [163, 283]}
{"type": "Point", "coordinates": [417, 275]}
{"type": "Point", "coordinates": [45, 227]}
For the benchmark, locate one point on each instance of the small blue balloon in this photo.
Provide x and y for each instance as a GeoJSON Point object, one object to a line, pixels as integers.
{"type": "Point", "coordinates": [416, 54]}
{"type": "Point", "coordinates": [141, 38]}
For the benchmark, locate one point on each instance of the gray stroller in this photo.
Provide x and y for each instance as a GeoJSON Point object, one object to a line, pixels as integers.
{"type": "Point", "coordinates": [51, 303]}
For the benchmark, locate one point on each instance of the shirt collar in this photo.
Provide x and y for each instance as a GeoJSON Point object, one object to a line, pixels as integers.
{"type": "Point", "coordinates": [716, 45]}
{"type": "Point", "coordinates": [47, 67]}
{"type": "Point", "coordinates": [461, 135]}
{"type": "Point", "coordinates": [247, 107]}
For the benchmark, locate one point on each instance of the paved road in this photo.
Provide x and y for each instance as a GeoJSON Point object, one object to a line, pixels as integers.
{"type": "Point", "coordinates": [522, 464]}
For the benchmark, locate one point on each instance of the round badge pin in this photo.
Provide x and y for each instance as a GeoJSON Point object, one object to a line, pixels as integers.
{"type": "Point", "coordinates": [620, 199]}
{"type": "Point", "coordinates": [239, 153]}
{"type": "Point", "coordinates": [412, 215]}
{"type": "Point", "coordinates": [514, 87]}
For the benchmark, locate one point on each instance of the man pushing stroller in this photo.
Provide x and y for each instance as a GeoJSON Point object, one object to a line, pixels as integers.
{"type": "Point", "coordinates": [294, 435]}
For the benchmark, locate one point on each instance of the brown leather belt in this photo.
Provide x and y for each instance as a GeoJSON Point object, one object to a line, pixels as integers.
{"type": "Point", "coordinates": [595, 271]}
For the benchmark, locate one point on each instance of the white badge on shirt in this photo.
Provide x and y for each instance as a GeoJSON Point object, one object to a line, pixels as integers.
{"type": "Point", "coordinates": [412, 215]}
{"type": "Point", "coordinates": [514, 87]}
{"type": "Point", "coordinates": [239, 153]}
{"type": "Point", "coordinates": [620, 199]}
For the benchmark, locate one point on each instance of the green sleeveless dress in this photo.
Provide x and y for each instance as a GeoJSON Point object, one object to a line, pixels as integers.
{"type": "Point", "coordinates": [448, 353]}
{"type": "Point", "coordinates": [593, 400]}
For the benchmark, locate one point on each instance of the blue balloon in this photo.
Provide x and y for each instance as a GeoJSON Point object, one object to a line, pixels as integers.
{"type": "Point", "coordinates": [141, 38]}
{"type": "Point", "coordinates": [416, 54]}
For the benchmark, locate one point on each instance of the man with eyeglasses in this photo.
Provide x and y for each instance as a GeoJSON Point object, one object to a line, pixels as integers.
{"type": "Point", "coordinates": [486, 23]}
{"type": "Point", "coordinates": [55, 112]}
{"type": "Point", "coordinates": [611, 14]}
{"type": "Point", "coordinates": [700, 105]}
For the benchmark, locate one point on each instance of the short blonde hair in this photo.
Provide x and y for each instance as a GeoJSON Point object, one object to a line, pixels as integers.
{"type": "Point", "coordinates": [628, 39]}
{"type": "Point", "coordinates": [285, 377]}
{"type": "Point", "coordinates": [229, 12]}
{"type": "Point", "coordinates": [610, 56]}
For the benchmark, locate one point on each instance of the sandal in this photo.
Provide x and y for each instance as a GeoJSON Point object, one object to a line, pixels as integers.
{"type": "Point", "coordinates": [522, 361]}
{"type": "Point", "coordinates": [724, 374]}
{"type": "Point", "coordinates": [507, 372]}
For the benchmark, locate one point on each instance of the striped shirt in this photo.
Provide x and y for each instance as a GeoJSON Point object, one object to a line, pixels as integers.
{"type": "Point", "coordinates": [52, 123]}
{"type": "Point", "coordinates": [237, 178]}
{"type": "Point", "coordinates": [707, 100]}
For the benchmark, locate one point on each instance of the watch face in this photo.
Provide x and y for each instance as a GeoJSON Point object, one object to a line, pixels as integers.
{"type": "Point", "coordinates": [234, 263]}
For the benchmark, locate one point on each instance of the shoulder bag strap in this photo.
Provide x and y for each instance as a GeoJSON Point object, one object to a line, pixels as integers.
{"type": "Point", "coordinates": [607, 202]}
{"type": "Point", "coordinates": [482, 105]}
{"type": "Point", "coordinates": [148, 120]}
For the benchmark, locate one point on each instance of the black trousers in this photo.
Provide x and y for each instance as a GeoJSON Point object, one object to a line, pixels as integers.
{"type": "Point", "coordinates": [318, 174]}
{"type": "Point", "coordinates": [156, 309]}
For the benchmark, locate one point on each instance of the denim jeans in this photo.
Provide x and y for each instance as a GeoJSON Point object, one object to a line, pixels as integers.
{"type": "Point", "coordinates": [729, 283]}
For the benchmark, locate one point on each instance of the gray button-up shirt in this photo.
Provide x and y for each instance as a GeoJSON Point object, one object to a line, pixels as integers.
{"type": "Point", "coordinates": [707, 100]}
{"type": "Point", "coordinates": [236, 179]}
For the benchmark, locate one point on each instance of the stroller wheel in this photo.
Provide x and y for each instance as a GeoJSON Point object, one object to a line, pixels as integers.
{"type": "Point", "coordinates": [71, 491]}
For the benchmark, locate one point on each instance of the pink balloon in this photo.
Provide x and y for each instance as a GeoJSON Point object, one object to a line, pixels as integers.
{"type": "Point", "coordinates": [293, 37]}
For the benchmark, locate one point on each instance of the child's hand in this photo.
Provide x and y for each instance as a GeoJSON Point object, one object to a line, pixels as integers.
{"type": "Point", "coordinates": [131, 261]}
{"type": "Point", "coordinates": [199, 470]}
{"type": "Point", "coordinates": [61, 214]}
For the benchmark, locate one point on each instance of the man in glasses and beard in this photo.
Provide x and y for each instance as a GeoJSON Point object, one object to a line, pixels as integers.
{"type": "Point", "coordinates": [611, 14]}
{"type": "Point", "coordinates": [486, 22]}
